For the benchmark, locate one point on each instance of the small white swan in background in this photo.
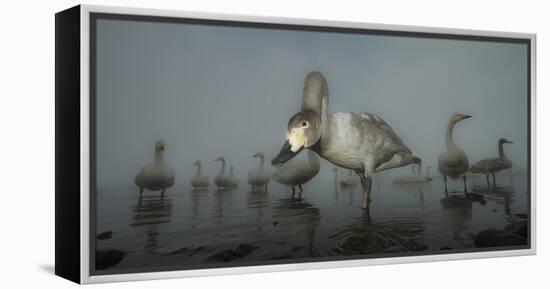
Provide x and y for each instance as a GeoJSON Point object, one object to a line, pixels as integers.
{"type": "Point", "coordinates": [234, 181]}
{"type": "Point", "coordinates": [362, 142]}
{"type": "Point", "coordinates": [297, 172]}
{"type": "Point", "coordinates": [199, 181]}
{"type": "Point", "coordinates": [453, 162]}
{"type": "Point", "coordinates": [494, 165]}
{"type": "Point", "coordinates": [344, 180]}
{"type": "Point", "coordinates": [416, 177]}
{"type": "Point", "coordinates": [156, 176]}
{"type": "Point", "coordinates": [259, 177]}
{"type": "Point", "coordinates": [222, 181]}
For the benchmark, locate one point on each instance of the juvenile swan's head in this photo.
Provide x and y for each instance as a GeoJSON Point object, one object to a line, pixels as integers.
{"type": "Point", "coordinates": [303, 131]}
{"type": "Point", "coordinates": [503, 140]}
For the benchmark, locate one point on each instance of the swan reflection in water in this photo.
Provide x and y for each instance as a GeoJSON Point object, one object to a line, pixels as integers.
{"type": "Point", "coordinates": [148, 215]}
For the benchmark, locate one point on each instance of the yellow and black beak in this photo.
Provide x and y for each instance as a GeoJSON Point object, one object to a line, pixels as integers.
{"type": "Point", "coordinates": [285, 154]}
{"type": "Point", "coordinates": [465, 116]}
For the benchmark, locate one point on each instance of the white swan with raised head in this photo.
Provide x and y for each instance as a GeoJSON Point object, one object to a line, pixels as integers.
{"type": "Point", "coordinates": [156, 176]}
{"type": "Point", "coordinates": [222, 181]}
{"type": "Point", "coordinates": [362, 142]}
{"type": "Point", "coordinates": [259, 177]}
{"type": "Point", "coordinates": [453, 162]}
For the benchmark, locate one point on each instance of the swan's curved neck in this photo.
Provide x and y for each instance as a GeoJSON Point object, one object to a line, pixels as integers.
{"type": "Point", "coordinates": [449, 134]}
{"type": "Point", "coordinates": [222, 171]}
{"type": "Point", "coordinates": [199, 170]}
{"type": "Point", "coordinates": [501, 153]}
{"type": "Point", "coordinates": [318, 103]}
{"type": "Point", "coordinates": [262, 162]}
{"type": "Point", "coordinates": [159, 157]}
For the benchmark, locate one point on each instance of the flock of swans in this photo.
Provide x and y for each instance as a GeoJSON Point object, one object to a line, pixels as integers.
{"type": "Point", "coordinates": [360, 142]}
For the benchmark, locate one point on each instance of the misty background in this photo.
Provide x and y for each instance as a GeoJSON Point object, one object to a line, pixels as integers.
{"type": "Point", "coordinates": [212, 90]}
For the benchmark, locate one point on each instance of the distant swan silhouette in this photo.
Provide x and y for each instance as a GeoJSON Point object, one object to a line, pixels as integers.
{"type": "Point", "coordinates": [222, 181]}
{"type": "Point", "coordinates": [199, 181]}
{"type": "Point", "coordinates": [259, 177]}
{"type": "Point", "coordinates": [494, 165]}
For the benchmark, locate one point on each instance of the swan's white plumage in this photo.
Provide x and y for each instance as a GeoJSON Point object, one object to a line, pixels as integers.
{"type": "Point", "coordinates": [199, 181]}
{"type": "Point", "coordinates": [259, 177]}
{"type": "Point", "coordinates": [156, 176]}
{"type": "Point", "coordinates": [453, 162]}
{"type": "Point", "coordinates": [222, 181]}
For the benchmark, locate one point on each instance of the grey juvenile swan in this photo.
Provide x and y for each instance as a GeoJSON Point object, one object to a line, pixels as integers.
{"type": "Point", "coordinates": [492, 166]}
{"type": "Point", "coordinates": [156, 176]}
{"type": "Point", "coordinates": [199, 181]}
{"type": "Point", "coordinates": [453, 162]}
{"type": "Point", "coordinates": [362, 142]}
{"type": "Point", "coordinates": [259, 177]}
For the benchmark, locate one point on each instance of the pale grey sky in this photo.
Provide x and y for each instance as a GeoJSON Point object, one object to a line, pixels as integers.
{"type": "Point", "coordinates": [212, 90]}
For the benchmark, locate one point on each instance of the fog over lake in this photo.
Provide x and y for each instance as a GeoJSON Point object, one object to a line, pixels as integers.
{"type": "Point", "coordinates": [212, 90]}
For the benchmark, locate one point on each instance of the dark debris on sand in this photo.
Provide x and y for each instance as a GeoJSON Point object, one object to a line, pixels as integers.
{"type": "Point", "coordinates": [105, 235]}
{"type": "Point", "coordinates": [229, 254]}
{"type": "Point", "coordinates": [107, 258]}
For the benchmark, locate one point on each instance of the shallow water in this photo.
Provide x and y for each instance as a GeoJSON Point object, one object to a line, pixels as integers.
{"type": "Point", "coordinates": [210, 228]}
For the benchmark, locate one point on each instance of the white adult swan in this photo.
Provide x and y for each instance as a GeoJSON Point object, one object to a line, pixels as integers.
{"type": "Point", "coordinates": [362, 142]}
{"type": "Point", "coordinates": [453, 162]}
{"type": "Point", "coordinates": [199, 181]}
{"type": "Point", "coordinates": [222, 181]}
{"type": "Point", "coordinates": [416, 177]}
{"type": "Point", "coordinates": [297, 172]}
{"type": "Point", "coordinates": [492, 166]}
{"type": "Point", "coordinates": [344, 180]}
{"type": "Point", "coordinates": [156, 176]}
{"type": "Point", "coordinates": [259, 177]}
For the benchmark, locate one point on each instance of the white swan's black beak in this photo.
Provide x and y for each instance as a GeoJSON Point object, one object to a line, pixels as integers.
{"type": "Point", "coordinates": [285, 154]}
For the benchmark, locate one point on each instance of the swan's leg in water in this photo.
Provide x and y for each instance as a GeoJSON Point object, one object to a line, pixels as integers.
{"type": "Point", "coordinates": [445, 179]}
{"type": "Point", "coordinates": [265, 189]}
{"type": "Point", "coordinates": [162, 193]}
{"type": "Point", "coordinates": [494, 181]}
{"type": "Point", "coordinates": [488, 183]}
{"type": "Point", "coordinates": [366, 182]}
{"type": "Point", "coordinates": [301, 190]}
{"type": "Point", "coordinates": [293, 191]}
{"type": "Point", "coordinates": [465, 187]}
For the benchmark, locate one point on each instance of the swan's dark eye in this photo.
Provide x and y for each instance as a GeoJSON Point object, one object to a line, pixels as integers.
{"type": "Point", "coordinates": [304, 124]}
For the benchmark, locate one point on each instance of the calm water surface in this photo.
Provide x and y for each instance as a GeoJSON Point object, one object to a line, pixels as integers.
{"type": "Point", "coordinates": [189, 228]}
